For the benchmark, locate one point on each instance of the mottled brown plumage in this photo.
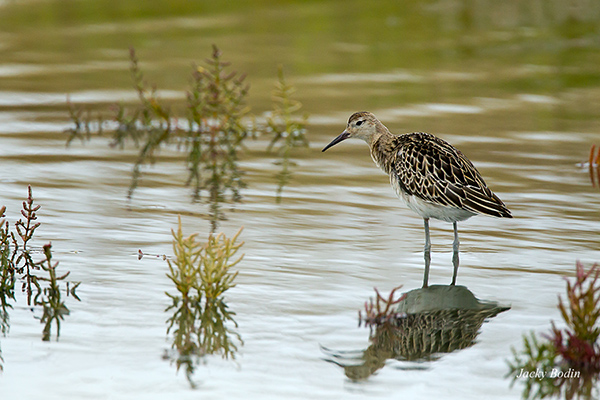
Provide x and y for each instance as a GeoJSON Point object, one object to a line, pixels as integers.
{"type": "Point", "coordinates": [431, 169]}
{"type": "Point", "coordinates": [433, 177]}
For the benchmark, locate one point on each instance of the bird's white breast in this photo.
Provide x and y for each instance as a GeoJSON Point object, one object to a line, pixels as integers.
{"type": "Point", "coordinates": [430, 210]}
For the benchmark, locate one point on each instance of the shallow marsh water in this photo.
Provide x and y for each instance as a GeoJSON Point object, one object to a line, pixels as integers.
{"type": "Point", "coordinates": [515, 87]}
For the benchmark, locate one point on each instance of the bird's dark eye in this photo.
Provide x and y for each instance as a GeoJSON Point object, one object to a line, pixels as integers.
{"type": "Point", "coordinates": [359, 123]}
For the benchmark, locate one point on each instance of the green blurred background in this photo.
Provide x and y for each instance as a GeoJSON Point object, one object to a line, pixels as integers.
{"type": "Point", "coordinates": [420, 51]}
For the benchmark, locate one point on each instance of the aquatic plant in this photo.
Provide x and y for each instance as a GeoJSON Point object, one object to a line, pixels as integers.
{"type": "Point", "coordinates": [84, 127]}
{"type": "Point", "coordinates": [565, 362]}
{"type": "Point", "coordinates": [594, 165]}
{"type": "Point", "coordinates": [285, 128]}
{"type": "Point", "coordinates": [7, 279]}
{"type": "Point", "coordinates": [202, 274]}
{"type": "Point", "coordinates": [17, 261]}
{"type": "Point", "coordinates": [381, 311]}
{"type": "Point", "coordinates": [211, 141]}
{"type": "Point", "coordinates": [54, 308]}
{"type": "Point", "coordinates": [594, 160]}
{"type": "Point", "coordinates": [17, 265]}
{"type": "Point", "coordinates": [216, 134]}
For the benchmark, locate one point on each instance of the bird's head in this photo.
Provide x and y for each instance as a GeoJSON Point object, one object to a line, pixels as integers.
{"type": "Point", "coordinates": [362, 125]}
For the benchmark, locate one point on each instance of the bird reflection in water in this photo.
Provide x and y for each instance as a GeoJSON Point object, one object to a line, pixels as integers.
{"type": "Point", "coordinates": [427, 323]}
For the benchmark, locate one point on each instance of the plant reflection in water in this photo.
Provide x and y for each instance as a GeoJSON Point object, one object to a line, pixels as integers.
{"type": "Point", "coordinates": [210, 138]}
{"type": "Point", "coordinates": [284, 127]}
{"type": "Point", "coordinates": [594, 165]}
{"type": "Point", "coordinates": [17, 265]}
{"type": "Point", "coordinates": [565, 362]}
{"type": "Point", "coordinates": [201, 274]}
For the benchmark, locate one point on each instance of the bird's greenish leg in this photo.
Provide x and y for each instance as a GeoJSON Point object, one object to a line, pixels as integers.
{"type": "Point", "coordinates": [455, 254]}
{"type": "Point", "coordinates": [426, 252]}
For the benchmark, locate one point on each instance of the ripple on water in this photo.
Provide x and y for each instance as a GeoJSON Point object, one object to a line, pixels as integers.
{"type": "Point", "coordinates": [312, 261]}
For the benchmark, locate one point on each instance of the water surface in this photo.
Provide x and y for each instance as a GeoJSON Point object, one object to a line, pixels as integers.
{"type": "Point", "coordinates": [515, 86]}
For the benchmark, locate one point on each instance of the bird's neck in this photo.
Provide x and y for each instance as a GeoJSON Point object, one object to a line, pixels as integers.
{"type": "Point", "coordinates": [382, 147]}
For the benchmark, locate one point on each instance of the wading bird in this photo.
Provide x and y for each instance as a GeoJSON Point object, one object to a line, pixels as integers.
{"type": "Point", "coordinates": [434, 179]}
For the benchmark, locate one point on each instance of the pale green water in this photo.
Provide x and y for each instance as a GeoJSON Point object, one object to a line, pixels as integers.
{"type": "Point", "coordinates": [515, 85]}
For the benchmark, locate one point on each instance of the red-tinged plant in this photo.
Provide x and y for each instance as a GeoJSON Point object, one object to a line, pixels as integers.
{"type": "Point", "coordinates": [570, 357]}
{"type": "Point", "coordinates": [381, 311]}
{"type": "Point", "coordinates": [17, 265]}
{"type": "Point", "coordinates": [594, 165]}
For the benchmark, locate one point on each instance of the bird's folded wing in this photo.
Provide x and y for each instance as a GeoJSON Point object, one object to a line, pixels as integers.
{"type": "Point", "coordinates": [435, 171]}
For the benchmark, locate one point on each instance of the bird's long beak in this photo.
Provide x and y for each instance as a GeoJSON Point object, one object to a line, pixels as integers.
{"type": "Point", "coordinates": [343, 136]}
